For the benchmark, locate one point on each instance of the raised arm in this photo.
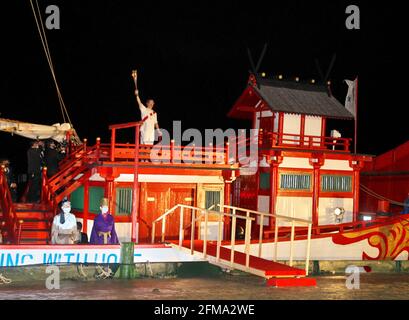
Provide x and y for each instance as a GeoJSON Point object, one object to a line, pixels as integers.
{"type": "Point", "coordinates": [138, 100]}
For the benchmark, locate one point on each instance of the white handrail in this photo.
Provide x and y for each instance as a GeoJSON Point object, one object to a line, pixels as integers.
{"type": "Point", "coordinates": [266, 214]}
{"type": "Point", "coordinates": [277, 217]}
{"type": "Point", "coordinates": [234, 216]}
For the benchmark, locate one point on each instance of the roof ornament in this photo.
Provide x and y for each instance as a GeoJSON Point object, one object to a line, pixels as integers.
{"type": "Point", "coordinates": [255, 67]}
{"type": "Point", "coordinates": [324, 79]}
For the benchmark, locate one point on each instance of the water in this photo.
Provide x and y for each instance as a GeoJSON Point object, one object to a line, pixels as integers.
{"type": "Point", "coordinates": [372, 286]}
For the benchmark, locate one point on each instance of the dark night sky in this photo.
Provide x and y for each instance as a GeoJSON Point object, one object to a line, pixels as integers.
{"type": "Point", "coordinates": [191, 58]}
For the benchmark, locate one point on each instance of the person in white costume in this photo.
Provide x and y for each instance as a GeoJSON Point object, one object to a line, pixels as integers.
{"type": "Point", "coordinates": [150, 120]}
{"type": "Point", "coordinates": [64, 229]}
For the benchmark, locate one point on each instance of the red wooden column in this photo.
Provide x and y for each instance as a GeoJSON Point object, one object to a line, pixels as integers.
{"type": "Point", "coordinates": [356, 165]}
{"type": "Point", "coordinates": [85, 206]}
{"type": "Point", "coordinates": [280, 128]}
{"type": "Point", "coordinates": [227, 198]}
{"type": "Point", "coordinates": [302, 129]}
{"type": "Point", "coordinates": [275, 160]}
{"type": "Point", "coordinates": [316, 161]}
{"type": "Point", "coordinates": [135, 189]}
{"type": "Point", "coordinates": [109, 174]}
{"type": "Point", "coordinates": [323, 130]}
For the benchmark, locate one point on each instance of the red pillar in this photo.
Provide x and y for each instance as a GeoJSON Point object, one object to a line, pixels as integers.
{"type": "Point", "coordinates": [227, 202]}
{"type": "Point", "coordinates": [275, 161]}
{"type": "Point", "coordinates": [316, 161]}
{"type": "Point", "coordinates": [113, 138]}
{"type": "Point", "coordinates": [323, 130]}
{"type": "Point", "coordinates": [109, 192]}
{"type": "Point", "coordinates": [135, 190]}
{"type": "Point", "coordinates": [356, 165]}
{"type": "Point", "coordinates": [86, 206]}
{"type": "Point", "coordinates": [302, 129]}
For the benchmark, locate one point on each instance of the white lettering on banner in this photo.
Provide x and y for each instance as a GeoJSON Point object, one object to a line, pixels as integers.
{"type": "Point", "coordinates": [50, 256]}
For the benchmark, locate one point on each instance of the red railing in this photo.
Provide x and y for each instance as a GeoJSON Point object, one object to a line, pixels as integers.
{"type": "Point", "coordinates": [79, 162]}
{"type": "Point", "coordinates": [342, 227]}
{"type": "Point", "coordinates": [274, 139]}
{"type": "Point", "coordinates": [11, 226]}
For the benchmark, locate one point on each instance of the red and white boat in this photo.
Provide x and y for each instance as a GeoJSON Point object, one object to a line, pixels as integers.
{"type": "Point", "coordinates": [299, 199]}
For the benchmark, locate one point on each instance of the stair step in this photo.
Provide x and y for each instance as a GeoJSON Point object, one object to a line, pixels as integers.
{"type": "Point", "coordinates": [31, 215]}
{"type": "Point", "coordinates": [33, 241]}
{"type": "Point", "coordinates": [36, 234]}
{"type": "Point", "coordinates": [291, 282]}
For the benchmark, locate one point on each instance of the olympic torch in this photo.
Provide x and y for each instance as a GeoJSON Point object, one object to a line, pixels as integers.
{"type": "Point", "coordinates": [135, 77]}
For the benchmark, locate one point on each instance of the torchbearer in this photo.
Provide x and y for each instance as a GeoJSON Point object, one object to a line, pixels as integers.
{"type": "Point", "coordinates": [148, 116]}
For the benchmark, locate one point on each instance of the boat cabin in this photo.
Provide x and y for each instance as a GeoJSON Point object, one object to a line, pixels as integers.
{"type": "Point", "coordinates": [302, 171]}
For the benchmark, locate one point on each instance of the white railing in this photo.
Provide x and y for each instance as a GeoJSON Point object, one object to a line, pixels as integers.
{"type": "Point", "coordinates": [277, 217]}
{"type": "Point", "coordinates": [196, 217]}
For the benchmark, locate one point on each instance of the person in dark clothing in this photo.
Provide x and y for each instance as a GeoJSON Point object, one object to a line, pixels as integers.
{"type": "Point", "coordinates": [35, 163]}
{"type": "Point", "coordinates": [52, 158]}
{"type": "Point", "coordinates": [11, 179]}
{"type": "Point", "coordinates": [82, 236]}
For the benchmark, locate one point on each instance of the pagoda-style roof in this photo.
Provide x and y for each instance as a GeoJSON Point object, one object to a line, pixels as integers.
{"type": "Point", "coordinates": [288, 97]}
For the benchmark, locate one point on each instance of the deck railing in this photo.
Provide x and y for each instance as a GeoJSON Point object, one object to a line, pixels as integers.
{"type": "Point", "coordinates": [198, 213]}
{"type": "Point", "coordinates": [275, 139]}
{"type": "Point", "coordinates": [10, 222]}
{"type": "Point", "coordinates": [247, 213]}
{"type": "Point", "coordinates": [233, 214]}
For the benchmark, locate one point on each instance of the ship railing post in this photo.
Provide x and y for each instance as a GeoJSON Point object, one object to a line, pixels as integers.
{"type": "Point", "coordinates": [275, 239]}
{"type": "Point", "coordinates": [85, 145]}
{"type": "Point", "coordinates": [292, 242]}
{"type": "Point", "coordinates": [98, 147]}
{"type": "Point", "coordinates": [192, 232]}
{"type": "Point", "coordinates": [219, 236]}
{"type": "Point", "coordinates": [247, 242]}
{"type": "Point", "coordinates": [163, 228]}
{"type": "Point", "coordinates": [181, 233]}
{"type": "Point", "coordinates": [172, 150]}
{"type": "Point", "coordinates": [113, 141]}
{"type": "Point", "coordinates": [260, 240]}
{"type": "Point", "coordinates": [153, 231]}
{"type": "Point", "coordinates": [227, 150]}
{"type": "Point", "coordinates": [307, 260]}
{"type": "Point", "coordinates": [233, 238]}
{"type": "Point", "coordinates": [44, 190]}
{"type": "Point", "coordinates": [205, 234]}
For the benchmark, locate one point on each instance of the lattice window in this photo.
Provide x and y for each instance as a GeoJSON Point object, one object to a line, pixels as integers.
{"type": "Point", "coordinates": [295, 181]}
{"type": "Point", "coordinates": [123, 204]}
{"type": "Point", "coordinates": [212, 198]}
{"type": "Point", "coordinates": [336, 183]}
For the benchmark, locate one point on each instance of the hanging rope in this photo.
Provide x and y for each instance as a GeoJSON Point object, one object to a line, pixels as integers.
{"type": "Point", "coordinates": [103, 274]}
{"type": "Point", "coordinates": [4, 280]}
{"type": "Point", "coordinates": [380, 197]}
{"type": "Point", "coordinates": [43, 37]}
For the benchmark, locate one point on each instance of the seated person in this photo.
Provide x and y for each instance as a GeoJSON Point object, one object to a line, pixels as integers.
{"type": "Point", "coordinates": [82, 236]}
{"type": "Point", "coordinates": [64, 229]}
{"type": "Point", "coordinates": [103, 231]}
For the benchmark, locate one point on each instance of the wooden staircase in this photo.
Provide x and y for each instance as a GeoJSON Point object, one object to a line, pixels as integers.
{"type": "Point", "coordinates": [34, 223]}
{"type": "Point", "coordinates": [276, 274]}
{"type": "Point", "coordinates": [30, 223]}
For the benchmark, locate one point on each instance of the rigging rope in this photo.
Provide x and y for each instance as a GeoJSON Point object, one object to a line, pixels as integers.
{"type": "Point", "coordinates": [380, 197]}
{"type": "Point", "coordinates": [43, 37]}
{"type": "Point", "coordinates": [4, 280]}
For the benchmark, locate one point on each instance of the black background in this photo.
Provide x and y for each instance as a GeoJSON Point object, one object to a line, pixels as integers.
{"type": "Point", "coordinates": [191, 58]}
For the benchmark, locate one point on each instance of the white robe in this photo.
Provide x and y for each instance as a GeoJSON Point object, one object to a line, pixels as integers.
{"type": "Point", "coordinates": [147, 132]}
{"type": "Point", "coordinates": [65, 233]}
